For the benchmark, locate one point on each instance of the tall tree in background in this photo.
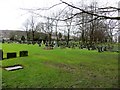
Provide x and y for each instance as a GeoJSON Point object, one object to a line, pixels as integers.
{"type": "Point", "coordinates": [26, 28]}
{"type": "Point", "coordinates": [90, 19]}
{"type": "Point", "coordinates": [56, 25]}
{"type": "Point", "coordinates": [23, 38]}
{"type": "Point", "coordinates": [32, 27]}
{"type": "Point", "coordinates": [68, 23]}
{"type": "Point", "coordinates": [48, 29]}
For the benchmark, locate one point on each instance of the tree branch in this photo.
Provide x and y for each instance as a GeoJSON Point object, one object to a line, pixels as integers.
{"type": "Point", "coordinates": [94, 14]}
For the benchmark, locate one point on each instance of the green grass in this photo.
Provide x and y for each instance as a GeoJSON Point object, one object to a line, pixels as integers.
{"type": "Point", "coordinates": [60, 68]}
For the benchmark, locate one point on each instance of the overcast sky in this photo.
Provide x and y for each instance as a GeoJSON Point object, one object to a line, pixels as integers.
{"type": "Point", "coordinates": [12, 17]}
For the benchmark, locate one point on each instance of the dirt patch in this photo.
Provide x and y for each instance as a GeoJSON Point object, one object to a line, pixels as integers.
{"type": "Point", "coordinates": [62, 66]}
{"type": "Point", "coordinates": [48, 48]}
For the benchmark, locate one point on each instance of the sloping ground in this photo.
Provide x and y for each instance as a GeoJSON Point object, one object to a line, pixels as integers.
{"type": "Point", "coordinates": [74, 68]}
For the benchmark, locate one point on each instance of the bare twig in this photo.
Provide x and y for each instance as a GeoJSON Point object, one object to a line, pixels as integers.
{"type": "Point", "coordinates": [94, 14]}
{"type": "Point", "coordinates": [47, 8]}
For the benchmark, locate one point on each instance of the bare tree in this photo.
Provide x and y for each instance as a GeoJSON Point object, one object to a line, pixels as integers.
{"type": "Point", "coordinates": [92, 13]}
{"type": "Point", "coordinates": [56, 25]}
{"type": "Point", "coordinates": [32, 27]}
{"type": "Point", "coordinates": [68, 24]}
{"type": "Point", "coordinates": [49, 29]}
{"type": "Point", "coordinates": [89, 20]}
{"type": "Point", "coordinates": [26, 28]}
{"type": "Point", "coordinates": [57, 16]}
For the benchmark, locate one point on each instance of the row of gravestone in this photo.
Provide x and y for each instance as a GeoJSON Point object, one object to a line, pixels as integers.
{"type": "Point", "coordinates": [13, 54]}
{"type": "Point", "coordinates": [91, 47]}
{"type": "Point", "coordinates": [99, 48]}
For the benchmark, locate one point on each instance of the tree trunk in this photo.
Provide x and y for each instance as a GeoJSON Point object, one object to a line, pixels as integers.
{"type": "Point", "coordinates": [68, 37]}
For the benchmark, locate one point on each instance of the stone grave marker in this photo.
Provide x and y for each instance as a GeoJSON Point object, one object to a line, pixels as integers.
{"type": "Point", "coordinates": [99, 49]}
{"type": "Point", "coordinates": [14, 67]}
{"type": "Point", "coordinates": [1, 54]}
{"type": "Point", "coordinates": [11, 55]}
{"type": "Point", "coordinates": [23, 53]}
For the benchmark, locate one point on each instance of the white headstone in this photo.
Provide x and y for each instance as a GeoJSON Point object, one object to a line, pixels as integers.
{"type": "Point", "coordinates": [13, 68]}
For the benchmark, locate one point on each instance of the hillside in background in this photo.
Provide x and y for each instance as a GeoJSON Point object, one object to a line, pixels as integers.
{"type": "Point", "coordinates": [8, 33]}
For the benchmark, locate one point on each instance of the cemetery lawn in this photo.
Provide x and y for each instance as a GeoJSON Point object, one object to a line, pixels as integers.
{"type": "Point", "coordinates": [58, 68]}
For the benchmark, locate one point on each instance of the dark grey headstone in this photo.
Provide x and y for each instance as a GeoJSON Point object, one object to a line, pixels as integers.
{"type": "Point", "coordinates": [1, 54]}
{"type": "Point", "coordinates": [23, 53]}
{"type": "Point", "coordinates": [11, 55]}
{"type": "Point", "coordinates": [99, 49]}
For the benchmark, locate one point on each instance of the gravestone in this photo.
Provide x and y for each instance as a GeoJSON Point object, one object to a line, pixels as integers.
{"type": "Point", "coordinates": [73, 46]}
{"type": "Point", "coordinates": [39, 44]}
{"type": "Point", "coordinates": [99, 48]}
{"type": "Point", "coordinates": [105, 48]}
{"type": "Point", "coordinates": [11, 55]}
{"type": "Point", "coordinates": [14, 67]}
{"type": "Point", "coordinates": [46, 44]}
{"type": "Point", "coordinates": [88, 47]}
{"type": "Point", "coordinates": [51, 45]}
{"type": "Point", "coordinates": [23, 53]}
{"type": "Point", "coordinates": [1, 54]}
{"type": "Point", "coordinates": [81, 46]}
{"type": "Point", "coordinates": [55, 44]}
{"type": "Point", "coordinates": [93, 47]}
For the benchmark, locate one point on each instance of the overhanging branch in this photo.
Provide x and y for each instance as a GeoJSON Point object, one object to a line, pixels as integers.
{"type": "Point", "coordinates": [94, 14]}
